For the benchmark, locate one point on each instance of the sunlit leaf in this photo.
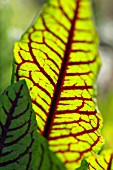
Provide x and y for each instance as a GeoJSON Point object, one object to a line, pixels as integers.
{"type": "Point", "coordinates": [101, 162]}
{"type": "Point", "coordinates": [21, 147]}
{"type": "Point", "coordinates": [58, 58]}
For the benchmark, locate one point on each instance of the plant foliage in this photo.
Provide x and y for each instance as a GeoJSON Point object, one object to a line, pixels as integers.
{"type": "Point", "coordinates": [58, 58]}
{"type": "Point", "coordinates": [21, 146]}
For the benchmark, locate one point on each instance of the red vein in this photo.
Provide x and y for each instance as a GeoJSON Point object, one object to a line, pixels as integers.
{"type": "Point", "coordinates": [61, 75]}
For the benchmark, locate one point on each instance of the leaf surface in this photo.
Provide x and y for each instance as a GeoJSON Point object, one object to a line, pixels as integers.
{"type": "Point", "coordinates": [84, 165]}
{"type": "Point", "coordinates": [17, 128]}
{"type": "Point", "coordinates": [21, 147]}
{"type": "Point", "coordinates": [46, 159]}
{"type": "Point", "coordinates": [58, 58]}
{"type": "Point", "coordinates": [104, 161]}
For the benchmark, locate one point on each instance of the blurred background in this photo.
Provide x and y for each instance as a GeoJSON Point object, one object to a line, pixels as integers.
{"type": "Point", "coordinates": [17, 15]}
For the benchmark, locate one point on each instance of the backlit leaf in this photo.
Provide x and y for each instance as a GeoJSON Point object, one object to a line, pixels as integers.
{"type": "Point", "coordinates": [103, 161]}
{"type": "Point", "coordinates": [21, 147]}
{"type": "Point", "coordinates": [58, 57]}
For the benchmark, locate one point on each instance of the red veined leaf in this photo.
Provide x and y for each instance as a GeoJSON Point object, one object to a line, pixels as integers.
{"type": "Point", "coordinates": [104, 161]}
{"type": "Point", "coordinates": [58, 57]}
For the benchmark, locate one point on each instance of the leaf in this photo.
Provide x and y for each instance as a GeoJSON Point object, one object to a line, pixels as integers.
{"type": "Point", "coordinates": [104, 161]}
{"type": "Point", "coordinates": [47, 159]}
{"type": "Point", "coordinates": [21, 147]}
{"type": "Point", "coordinates": [84, 165]}
{"type": "Point", "coordinates": [58, 58]}
{"type": "Point", "coordinates": [17, 128]}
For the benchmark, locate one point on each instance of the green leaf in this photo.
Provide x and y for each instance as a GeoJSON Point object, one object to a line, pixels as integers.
{"type": "Point", "coordinates": [84, 165]}
{"type": "Point", "coordinates": [46, 159]}
{"type": "Point", "coordinates": [21, 147]}
{"type": "Point", "coordinates": [17, 128]}
{"type": "Point", "coordinates": [58, 57]}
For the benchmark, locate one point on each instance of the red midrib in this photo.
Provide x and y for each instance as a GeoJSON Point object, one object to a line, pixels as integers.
{"type": "Point", "coordinates": [57, 92]}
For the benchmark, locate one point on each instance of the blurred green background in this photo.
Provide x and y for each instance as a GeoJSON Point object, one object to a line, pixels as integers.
{"type": "Point", "coordinates": [17, 15]}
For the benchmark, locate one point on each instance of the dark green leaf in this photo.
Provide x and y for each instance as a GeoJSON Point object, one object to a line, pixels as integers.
{"type": "Point", "coordinates": [84, 165]}
{"type": "Point", "coordinates": [21, 147]}
{"type": "Point", "coordinates": [46, 158]}
{"type": "Point", "coordinates": [17, 128]}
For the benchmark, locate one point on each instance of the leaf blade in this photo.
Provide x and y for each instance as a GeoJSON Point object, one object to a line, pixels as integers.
{"type": "Point", "coordinates": [14, 133]}
{"type": "Point", "coordinates": [22, 147]}
{"type": "Point", "coordinates": [59, 60]}
{"type": "Point", "coordinates": [102, 161]}
{"type": "Point", "coordinates": [84, 165]}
